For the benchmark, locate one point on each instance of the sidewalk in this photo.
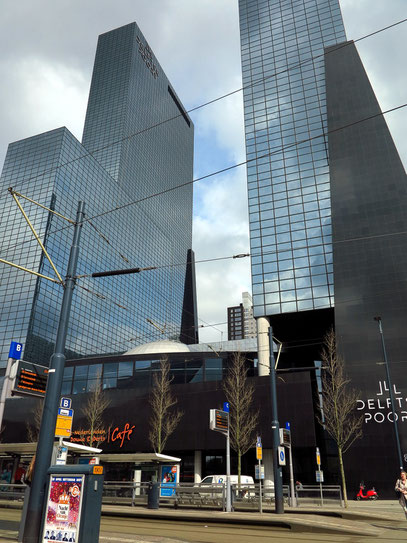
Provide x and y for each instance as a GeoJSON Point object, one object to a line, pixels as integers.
{"type": "Point", "coordinates": [355, 520]}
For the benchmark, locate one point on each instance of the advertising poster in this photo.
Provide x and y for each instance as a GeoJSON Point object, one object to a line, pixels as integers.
{"type": "Point", "coordinates": [169, 479]}
{"type": "Point", "coordinates": [63, 509]}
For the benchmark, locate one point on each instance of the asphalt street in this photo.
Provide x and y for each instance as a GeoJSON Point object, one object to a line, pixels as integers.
{"type": "Point", "coordinates": [383, 526]}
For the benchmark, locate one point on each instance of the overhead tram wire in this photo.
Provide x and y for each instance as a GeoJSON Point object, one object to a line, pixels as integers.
{"type": "Point", "coordinates": [226, 95]}
{"type": "Point", "coordinates": [275, 151]}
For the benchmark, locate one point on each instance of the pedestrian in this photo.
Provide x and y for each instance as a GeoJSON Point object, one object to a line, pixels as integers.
{"type": "Point", "coordinates": [401, 489]}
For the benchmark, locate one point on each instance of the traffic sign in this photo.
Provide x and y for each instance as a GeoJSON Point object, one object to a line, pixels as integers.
{"type": "Point", "coordinates": [281, 456]}
{"type": "Point", "coordinates": [259, 453]}
{"type": "Point", "coordinates": [226, 407]}
{"type": "Point", "coordinates": [258, 472]}
{"type": "Point", "coordinates": [319, 476]}
{"type": "Point", "coordinates": [258, 441]}
{"type": "Point", "coordinates": [66, 403]}
{"type": "Point", "coordinates": [287, 426]}
{"type": "Point", "coordinates": [15, 350]}
{"type": "Point", "coordinates": [318, 457]}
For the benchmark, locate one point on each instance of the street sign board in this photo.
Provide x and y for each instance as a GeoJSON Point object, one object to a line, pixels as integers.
{"type": "Point", "coordinates": [259, 453]}
{"type": "Point", "coordinates": [66, 403]}
{"type": "Point", "coordinates": [226, 407]}
{"type": "Point", "coordinates": [319, 476]}
{"type": "Point", "coordinates": [258, 474]}
{"type": "Point", "coordinates": [318, 457]}
{"type": "Point", "coordinates": [63, 426]}
{"type": "Point", "coordinates": [287, 426]}
{"type": "Point", "coordinates": [281, 456]}
{"type": "Point", "coordinates": [31, 379]}
{"type": "Point", "coordinates": [219, 420]}
{"type": "Point", "coordinates": [285, 437]}
{"type": "Point", "coordinates": [15, 350]}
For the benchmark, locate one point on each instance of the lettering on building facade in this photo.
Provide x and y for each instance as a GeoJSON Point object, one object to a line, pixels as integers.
{"type": "Point", "coordinates": [379, 409]}
{"type": "Point", "coordinates": [147, 56]}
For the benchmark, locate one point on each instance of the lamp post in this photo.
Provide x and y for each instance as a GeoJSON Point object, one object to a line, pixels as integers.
{"type": "Point", "coordinates": [275, 432]}
{"type": "Point", "coordinates": [386, 363]}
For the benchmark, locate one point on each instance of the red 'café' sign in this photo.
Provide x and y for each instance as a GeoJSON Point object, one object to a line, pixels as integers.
{"type": "Point", "coordinates": [119, 435]}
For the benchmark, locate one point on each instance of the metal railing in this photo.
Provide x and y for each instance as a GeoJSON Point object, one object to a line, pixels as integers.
{"type": "Point", "coordinates": [12, 491]}
{"type": "Point", "coordinates": [325, 495]}
{"type": "Point", "coordinates": [203, 496]}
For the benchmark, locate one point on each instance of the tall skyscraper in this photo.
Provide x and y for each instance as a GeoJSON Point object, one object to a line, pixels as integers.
{"type": "Point", "coordinates": [327, 198]}
{"type": "Point", "coordinates": [137, 148]}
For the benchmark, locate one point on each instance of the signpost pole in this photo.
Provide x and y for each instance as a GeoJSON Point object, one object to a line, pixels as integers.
{"type": "Point", "coordinates": [292, 489]}
{"type": "Point", "coordinates": [260, 496]}
{"type": "Point", "coordinates": [14, 354]}
{"type": "Point", "coordinates": [320, 475]}
{"type": "Point", "coordinates": [275, 431]}
{"type": "Point", "coordinates": [52, 396]}
{"type": "Point", "coordinates": [228, 488]}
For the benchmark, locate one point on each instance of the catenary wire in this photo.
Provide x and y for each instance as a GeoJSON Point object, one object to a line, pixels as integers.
{"type": "Point", "coordinates": [275, 151]}
{"type": "Point", "coordinates": [311, 59]}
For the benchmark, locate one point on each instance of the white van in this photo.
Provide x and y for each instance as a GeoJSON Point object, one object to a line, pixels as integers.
{"type": "Point", "coordinates": [234, 480]}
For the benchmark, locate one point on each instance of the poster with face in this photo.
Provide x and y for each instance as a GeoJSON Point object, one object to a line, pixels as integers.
{"type": "Point", "coordinates": [169, 479]}
{"type": "Point", "coordinates": [63, 509]}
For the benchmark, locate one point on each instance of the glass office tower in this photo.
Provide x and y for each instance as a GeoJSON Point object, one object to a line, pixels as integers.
{"type": "Point", "coordinates": [138, 141]}
{"type": "Point", "coordinates": [282, 47]}
{"type": "Point", "coordinates": [327, 200]}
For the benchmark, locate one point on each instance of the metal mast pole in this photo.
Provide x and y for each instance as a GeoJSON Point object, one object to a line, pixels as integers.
{"type": "Point", "coordinates": [386, 363]}
{"type": "Point", "coordinates": [51, 401]}
{"type": "Point", "coordinates": [275, 429]}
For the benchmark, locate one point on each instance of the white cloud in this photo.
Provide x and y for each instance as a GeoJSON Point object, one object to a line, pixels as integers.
{"type": "Point", "coordinates": [46, 64]}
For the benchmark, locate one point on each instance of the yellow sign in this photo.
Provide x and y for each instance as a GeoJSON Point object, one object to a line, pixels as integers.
{"type": "Point", "coordinates": [63, 427]}
{"type": "Point", "coordinates": [259, 453]}
{"type": "Point", "coordinates": [97, 470]}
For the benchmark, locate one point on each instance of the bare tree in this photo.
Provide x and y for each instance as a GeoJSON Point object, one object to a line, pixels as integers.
{"type": "Point", "coordinates": [93, 412]}
{"type": "Point", "coordinates": [34, 430]}
{"type": "Point", "coordinates": [338, 406]}
{"type": "Point", "coordinates": [243, 420]}
{"type": "Point", "coordinates": [164, 418]}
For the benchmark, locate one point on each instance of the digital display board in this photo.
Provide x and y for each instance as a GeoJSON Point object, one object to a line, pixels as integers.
{"type": "Point", "coordinates": [30, 379]}
{"type": "Point", "coordinates": [219, 420]}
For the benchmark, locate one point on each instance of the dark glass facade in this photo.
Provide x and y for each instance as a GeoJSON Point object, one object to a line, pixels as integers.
{"type": "Point", "coordinates": [138, 141]}
{"type": "Point", "coordinates": [369, 201]}
{"type": "Point", "coordinates": [327, 199]}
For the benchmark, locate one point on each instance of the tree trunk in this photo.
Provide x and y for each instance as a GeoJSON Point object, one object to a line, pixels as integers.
{"type": "Point", "coordinates": [239, 469]}
{"type": "Point", "coordinates": [345, 494]}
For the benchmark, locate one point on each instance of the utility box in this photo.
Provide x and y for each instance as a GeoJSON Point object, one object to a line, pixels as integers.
{"type": "Point", "coordinates": [74, 504]}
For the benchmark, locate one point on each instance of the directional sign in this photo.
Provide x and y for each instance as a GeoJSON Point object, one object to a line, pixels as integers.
{"type": "Point", "coordinates": [281, 456]}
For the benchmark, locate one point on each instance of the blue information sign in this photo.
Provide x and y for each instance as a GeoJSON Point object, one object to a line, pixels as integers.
{"type": "Point", "coordinates": [66, 403]}
{"type": "Point", "coordinates": [287, 426]}
{"type": "Point", "coordinates": [226, 407]}
{"type": "Point", "coordinates": [15, 350]}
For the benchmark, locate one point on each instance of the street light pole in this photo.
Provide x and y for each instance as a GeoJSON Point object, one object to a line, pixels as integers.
{"type": "Point", "coordinates": [52, 397]}
{"type": "Point", "coordinates": [275, 431]}
{"type": "Point", "coordinates": [390, 385]}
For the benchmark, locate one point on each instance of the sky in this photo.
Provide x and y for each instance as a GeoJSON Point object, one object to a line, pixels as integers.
{"type": "Point", "coordinates": [47, 52]}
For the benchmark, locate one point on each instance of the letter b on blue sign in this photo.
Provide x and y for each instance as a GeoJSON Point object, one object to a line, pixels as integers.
{"type": "Point", "coordinates": [15, 350]}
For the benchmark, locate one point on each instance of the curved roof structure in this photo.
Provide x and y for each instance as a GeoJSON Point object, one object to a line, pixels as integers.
{"type": "Point", "coordinates": [160, 347]}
